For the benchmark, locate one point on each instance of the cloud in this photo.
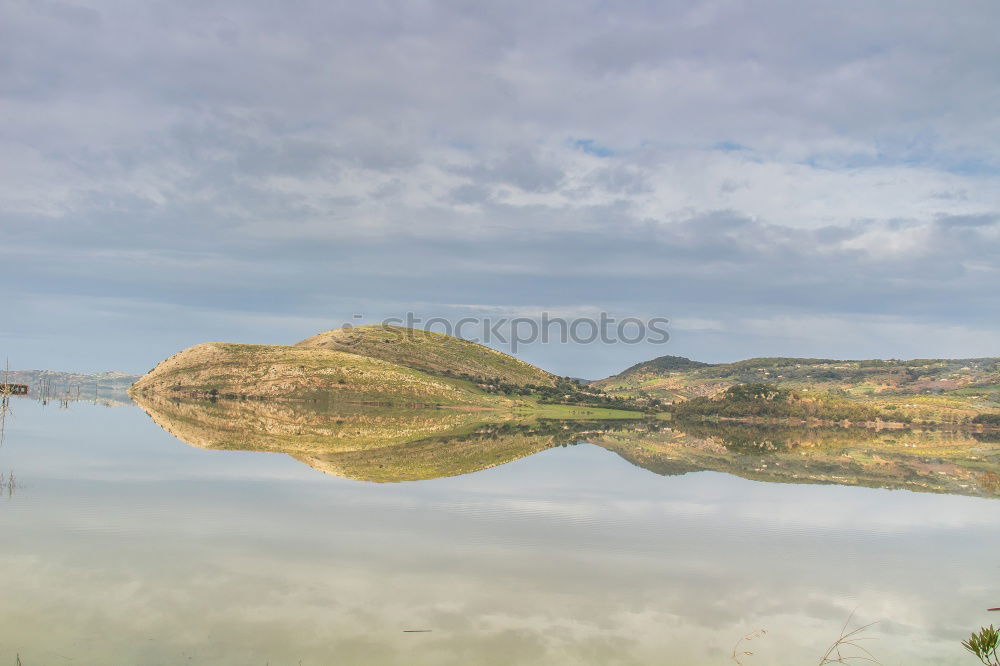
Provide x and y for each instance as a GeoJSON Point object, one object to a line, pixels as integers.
{"type": "Point", "coordinates": [696, 160]}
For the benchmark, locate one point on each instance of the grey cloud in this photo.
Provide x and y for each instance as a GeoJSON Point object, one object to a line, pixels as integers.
{"type": "Point", "coordinates": [969, 220]}
{"type": "Point", "coordinates": [520, 167]}
{"type": "Point", "coordinates": [289, 159]}
{"type": "Point", "coordinates": [470, 194]}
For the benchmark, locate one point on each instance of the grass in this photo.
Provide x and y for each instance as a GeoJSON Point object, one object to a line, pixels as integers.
{"type": "Point", "coordinates": [385, 366]}
{"type": "Point", "coordinates": [845, 649]}
{"type": "Point", "coordinates": [433, 353]}
{"type": "Point", "coordinates": [303, 373]}
{"type": "Point", "coordinates": [572, 412]}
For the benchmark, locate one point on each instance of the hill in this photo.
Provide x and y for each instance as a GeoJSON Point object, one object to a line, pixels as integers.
{"type": "Point", "coordinates": [660, 365]}
{"type": "Point", "coordinates": [375, 364]}
{"type": "Point", "coordinates": [433, 353]}
{"type": "Point", "coordinates": [217, 369]}
{"type": "Point", "coordinates": [934, 390]}
{"type": "Point", "coordinates": [869, 376]}
{"type": "Point", "coordinates": [69, 383]}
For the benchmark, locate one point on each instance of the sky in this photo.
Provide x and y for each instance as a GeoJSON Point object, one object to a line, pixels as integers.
{"type": "Point", "coordinates": [783, 178]}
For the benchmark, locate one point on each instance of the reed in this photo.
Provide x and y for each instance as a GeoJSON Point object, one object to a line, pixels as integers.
{"type": "Point", "coordinates": [8, 483]}
{"type": "Point", "coordinates": [4, 400]}
{"type": "Point", "coordinates": [845, 650]}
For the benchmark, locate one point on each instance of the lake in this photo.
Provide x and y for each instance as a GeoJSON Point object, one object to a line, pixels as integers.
{"type": "Point", "coordinates": [126, 545]}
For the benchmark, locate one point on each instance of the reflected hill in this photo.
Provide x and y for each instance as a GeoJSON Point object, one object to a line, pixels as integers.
{"type": "Point", "coordinates": [959, 462]}
{"type": "Point", "coordinates": [385, 444]}
{"type": "Point", "coordinates": [487, 446]}
{"type": "Point", "coordinates": [301, 428]}
{"type": "Point", "coordinates": [378, 444]}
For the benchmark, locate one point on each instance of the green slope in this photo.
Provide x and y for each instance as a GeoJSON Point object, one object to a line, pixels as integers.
{"type": "Point", "coordinates": [432, 353]}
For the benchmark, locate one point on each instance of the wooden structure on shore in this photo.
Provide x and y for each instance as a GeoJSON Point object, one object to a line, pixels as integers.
{"type": "Point", "coordinates": [13, 389]}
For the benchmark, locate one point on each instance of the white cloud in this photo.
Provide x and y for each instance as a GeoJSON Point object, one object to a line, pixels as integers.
{"type": "Point", "coordinates": [682, 156]}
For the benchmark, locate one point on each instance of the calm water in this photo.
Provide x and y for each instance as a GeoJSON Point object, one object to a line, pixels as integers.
{"type": "Point", "coordinates": [124, 545]}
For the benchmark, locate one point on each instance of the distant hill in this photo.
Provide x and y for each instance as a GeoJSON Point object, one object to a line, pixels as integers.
{"type": "Point", "coordinates": [661, 364]}
{"type": "Point", "coordinates": [872, 376]}
{"type": "Point", "coordinates": [433, 353]}
{"type": "Point", "coordinates": [949, 390]}
{"type": "Point", "coordinates": [59, 384]}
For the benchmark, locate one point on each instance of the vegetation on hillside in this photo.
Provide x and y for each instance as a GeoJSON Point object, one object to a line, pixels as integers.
{"type": "Point", "coordinates": [433, 353]}
{"type": "Point", "coordinates": [378, 364]}
{"type": "Point", "coordinates": [758, 400]}
{"type": "Point", "coordinates": [950, 391]}
{"type": "Point", "coordinates": [399, 366]}
{"type": "Point", "coordinates": [224, 370]}
{"type": "Point", "coordinates": [566, 391]}
{"type": "Point", "coordinates": [662, 363]}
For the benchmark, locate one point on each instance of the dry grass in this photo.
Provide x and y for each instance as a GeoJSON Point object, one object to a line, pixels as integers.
{"type": "Point", "coordinates": [846, 649]}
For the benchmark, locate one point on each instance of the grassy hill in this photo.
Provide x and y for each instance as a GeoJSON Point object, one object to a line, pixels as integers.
{"type": "Point", "coordinates": [225, 370]}
{"type": "Point", "coordinates": [932, 390]}
{"type": "Point", "coordinates": [433, 353]}
{"type": "Point", "coordinates": [373, 364]}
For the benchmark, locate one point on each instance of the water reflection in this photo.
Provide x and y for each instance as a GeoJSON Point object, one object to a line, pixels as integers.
{"type": "Point", "coordinates": [127, 548]}
{"type": "Point", "coordinates": [956, 462]}
{"type": "Point", "coordinates": [387, 444]}
{"type": "Point", "coordinates": [377, 444]}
